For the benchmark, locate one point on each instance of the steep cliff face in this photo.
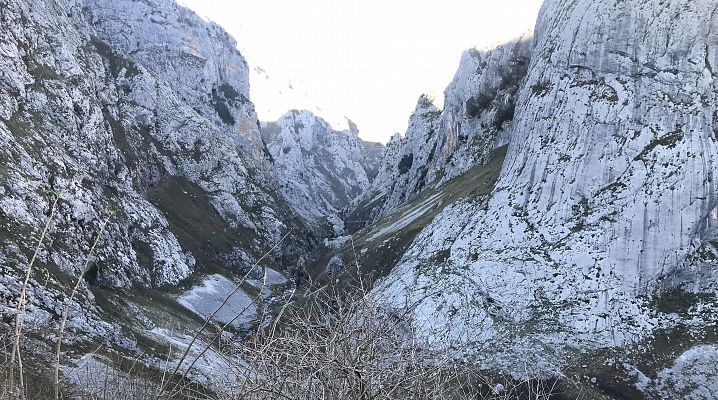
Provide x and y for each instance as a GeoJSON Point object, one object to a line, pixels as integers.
{"type": "Point", "coordinates": [606, 199]}
{"type": "Point", "coordinates": [150, 129]}
{"type": "Point", "coordinates": [479, 107]}
{"type": "Point", "coordinates": [403, 169]}
{"type": "Point", "coordinates": [319, 170]}
{"type": "Point", "coordinates": [198, 60]}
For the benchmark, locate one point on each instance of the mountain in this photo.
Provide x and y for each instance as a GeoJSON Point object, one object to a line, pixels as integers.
{"type": "Point", "coordinates": [601, 231]}
{"type": "Point", "coordinates": [136, 114]}
{"type": "Point", "coordinates": [439, 145]}
{"type": "Point", "coordinates": [198, 60]}
{"type": "Point", "coordinates": [319, 170]}
{"type": "Point", "coordinates": [556, 220]}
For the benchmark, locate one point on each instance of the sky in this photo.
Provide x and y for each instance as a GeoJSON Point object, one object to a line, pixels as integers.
{"type": "Point", "coordinates": [366, 60]}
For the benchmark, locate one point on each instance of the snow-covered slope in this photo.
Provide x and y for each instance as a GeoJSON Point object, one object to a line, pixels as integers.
{"type": "Point", "coordinates": [440, 145]}
{"type": "Point", "coordinates": [319, 170]}
{"type": "Point", "coordinates": [606, 198]}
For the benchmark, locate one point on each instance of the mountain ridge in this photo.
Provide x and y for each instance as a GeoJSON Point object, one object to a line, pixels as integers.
{"type": "Point", "coordinates": [319, 170]}
{"type": "Point", "coordinates": [442, 144]}
{"type": "Point", "coordinates": [603, 206]}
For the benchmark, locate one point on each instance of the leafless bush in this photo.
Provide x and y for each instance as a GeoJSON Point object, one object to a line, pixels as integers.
{"type": "Point", "coordinates": [341, 344]}
{"type": "Point", "coordinates": [15, 354]}
{"type": "Point", "coordinates": [61, 330]}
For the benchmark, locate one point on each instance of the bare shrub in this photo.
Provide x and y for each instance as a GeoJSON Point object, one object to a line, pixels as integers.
{"type": "Point", "coordinates": [61, 329]}
{"type": "Point", "coordinates": [15, 356]}
{"type": "Point", "coordinates": [342, 344]}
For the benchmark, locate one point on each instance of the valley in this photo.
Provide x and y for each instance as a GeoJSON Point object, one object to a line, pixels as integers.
{"type": "Point", "coordinates": [548, 232]}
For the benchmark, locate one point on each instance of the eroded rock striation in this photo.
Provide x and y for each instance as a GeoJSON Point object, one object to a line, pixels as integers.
{"type": "Point", "coordinates": [606, 203]}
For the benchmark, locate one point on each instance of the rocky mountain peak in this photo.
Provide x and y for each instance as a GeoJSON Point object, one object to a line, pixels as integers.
{"type": "Point", "coordinates": [319, 170]}
{"type": "Point", "coordinates": [197, 59]}
{"type": "Point", "coordinates": [479, 106]}
{"type": "Point", "coordinates": [425, 104]}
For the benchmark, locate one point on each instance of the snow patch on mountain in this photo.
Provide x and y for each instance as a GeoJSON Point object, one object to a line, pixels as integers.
{"type": "Point", "coordinates": [208, 296]}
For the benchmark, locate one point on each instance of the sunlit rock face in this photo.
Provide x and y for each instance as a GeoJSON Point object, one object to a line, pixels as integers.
{"type": "Point", "coordinates": [607, 196]}
{"type": "Point", "coordinates": [196, 59]}
{"type": "Point", "coordinates": [319, 170]}
{"type": "Point", "coordinates": [439, 145]}
{"type": "Point", "coordinates": [403, 169]}
{"type": "Point", "coordinates": [119, 107]}
{"type": "Point", "coordinates": [479, 106]}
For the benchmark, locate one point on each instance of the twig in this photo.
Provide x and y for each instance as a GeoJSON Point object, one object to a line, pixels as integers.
{"type": "Point", "coordinates": [21, 304]}
{"type": "Point", "coordinates": [66, 312]}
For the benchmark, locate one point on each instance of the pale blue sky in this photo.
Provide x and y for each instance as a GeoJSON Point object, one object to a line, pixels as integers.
{"type": "Point", "coordinates": [369, 60]}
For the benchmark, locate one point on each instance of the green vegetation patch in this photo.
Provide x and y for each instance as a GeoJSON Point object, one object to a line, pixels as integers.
{"type": "Point", "coordinates": [441, 256]}
{"type": "Point", "coordinates": [18, 126]}
{"type": "Point", "coordinates": [669, 140]}
{"type": "Point", "coordinates": [24, 124]}
{"type": "Point", "coordinates": [194, 221]}
{"type": "Point", "coordinates": [357, 219]}
{"type": "Point", "coordinates": [650, 356]}
{"type": "Point", "coordinates": [542, 88]}
{"type": "Point", "coordinates": [116, 61]}
{"type": "Point", "coordinates": [159, 307]}
{"type": "Point", "coordinates": [680, 301]}
{"type": "Point", "coordinates": [43, 72]}
{"type": "Point", "coordinates": [119, 136]}
{"type": "Point", "coordinates": [405, 164]}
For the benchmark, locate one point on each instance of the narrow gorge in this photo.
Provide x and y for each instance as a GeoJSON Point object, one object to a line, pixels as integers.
{"type": "Point", "coordinates": [553, 220]}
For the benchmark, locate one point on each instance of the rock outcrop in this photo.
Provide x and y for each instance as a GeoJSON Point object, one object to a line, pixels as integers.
{"type": "Point", "coordinates": [198, 60]}
{"type": "Point", "coordinates": [439, 145]}
{"type": "Point", "coordinates": [319, 170]}
{"type": "Point", "coordinates": [135, 112]}
{"type": "Point", "coordinates": [606, 203]}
